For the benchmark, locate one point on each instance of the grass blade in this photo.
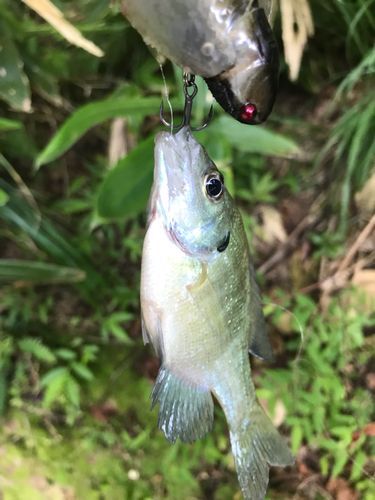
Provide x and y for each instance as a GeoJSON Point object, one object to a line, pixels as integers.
{"type": "Point", "coordinates": [19, 270]}
{"type": "Point", "coordinates": [6, 124]}
{"type": "Point", "coordinates": [48, 238]}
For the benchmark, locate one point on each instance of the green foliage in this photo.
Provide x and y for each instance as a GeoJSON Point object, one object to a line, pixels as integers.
{"type": "Point", "coordinates": [11, 270]}
{"type": "Point", "coordinates": [89, 116]}
{"type": "Point", "coordinates": [6, 124]}
{"type": "Point", "coordinates": [71, 348]}
{"type": "Point", "coordinates": [353, 138]}
{"type": "Point", "coordinates": [261, 188]}
{"type": "Point", "coordinates": [3, 198]}
{"type": "Point", "coordinates": [322, 407]}
{"type": "Point", "coordinates": [37, 349]}
{"type": "Point", "coordinates": [327, 245]}
{"type": "Point", "coordinates": [14, 85]}
{"type": "Point", "coordinates": [18, 213]}
{"type": "Point", "coordinates": [66, 370]}
{"type": "Point", "coordinates": [253, 139]}
{"type": "Point", "coordinates": [365, 67]}
{"type": "Point", "coordinates": [112, 325]}
{"type": "Point", "coordinates": [134, 174]}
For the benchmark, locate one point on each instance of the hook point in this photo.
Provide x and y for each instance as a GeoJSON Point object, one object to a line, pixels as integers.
{"type": "Point", "coordinates": [164, 121]}
{"type": "Point", "coordinates": [208, 121]}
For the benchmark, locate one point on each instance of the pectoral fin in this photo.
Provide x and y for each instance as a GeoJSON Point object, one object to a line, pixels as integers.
{"type": "Point", "coordinates": [259, 342]}
{"type": "Point", "coordinates": [184, 412]}
{"type": "Point", "coordinates": [156, 340]}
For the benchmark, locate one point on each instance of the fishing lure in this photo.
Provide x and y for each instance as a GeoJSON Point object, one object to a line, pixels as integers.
{"type": "Point", "coordinates": [228, 42]}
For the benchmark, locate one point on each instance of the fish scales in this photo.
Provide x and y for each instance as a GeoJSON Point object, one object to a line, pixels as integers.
{"type": "Point", "coordinates": [186, 302]}
{"type": "Point", "coordinates": [201, 310]}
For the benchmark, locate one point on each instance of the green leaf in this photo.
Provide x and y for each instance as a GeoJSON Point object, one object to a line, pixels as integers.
{"type": "Point", "coordinates": [216, 144]}
{"type": "Point", "coordinates": [18, 145]}
{"type": "Point", "coordinates": [82, 371]}
{"type": "Point", "coordinates": [72, 206]}
{"type": "Point", "coordinates": [118, 332]}
{"type": "Point", "coordinates": [3, 389]}
{"type": "Point", "coordinates": [55, 388]}
{"type": "Point", "coordinates": [254, 139]}
{"type": "Point", "coordinates": [111, 325]}
{"type": "Point", "coordinates": [72, 391]}
{"type": "Point", "coordinates": [65, 354]}
{"type": "Point", "coordinates": [121, 316]}
{"type": "Point", "coordinates": [340, 460]}
{"type": "Point", "coordinates": [296, 438]}
{"type": "Point", "coordinates": [344, 433]}
{"type": "Point", "coordinates": [14, 85]}
{"type": "Point", "coordinates": [52, 375]}
{"type": "Point", "coordinates": [37, 349]}
{"type": "Point", "coordinates": [89, 353]}
{"type": "Point", "coordinates": [357, 467]}
{"type": "Point", "coordinates": [4, 197]}
{"type": "Point", "coordinates": [6, 124]}
{"type": "Point", "coordinates": [90, 115]}
{"type": "Point", "coordinates": [19, 270]}
{"type": "Point", "coordinates": [324, 465]}
{"type": "Point", "coordinates": [127, 187]}
{"type": "Point", "coordinates": [42, 80]}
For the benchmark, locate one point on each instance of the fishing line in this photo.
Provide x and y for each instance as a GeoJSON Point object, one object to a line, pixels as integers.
{"type": "Point", "coordinates": [354, 462]}
{"type": "Point", "coordinates": [167, 95]}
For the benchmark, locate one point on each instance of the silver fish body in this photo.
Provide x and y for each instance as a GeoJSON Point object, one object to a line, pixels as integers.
{"type": "Point", "coordinates": [201, 310]}
{"type": "Point", "coordinates": [228, 42]}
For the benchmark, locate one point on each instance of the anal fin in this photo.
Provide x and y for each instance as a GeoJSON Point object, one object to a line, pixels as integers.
{"type": "Point", "coordinates": [184, 412]}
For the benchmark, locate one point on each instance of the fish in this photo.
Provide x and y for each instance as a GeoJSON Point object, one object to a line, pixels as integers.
{"type": "Point", "coordinates": [229, 43]}
{"type": "Point", "coordinates": [201, 311]}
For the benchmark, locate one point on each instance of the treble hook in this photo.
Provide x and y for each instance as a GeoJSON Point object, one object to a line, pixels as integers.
{"type": "Point", "coordinates": [189, 81]}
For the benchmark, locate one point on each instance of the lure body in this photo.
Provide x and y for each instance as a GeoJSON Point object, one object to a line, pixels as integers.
{"type": "Point", "coordinates": [228, 42]}
{"type": "Point", "coordinates": [201, 310]}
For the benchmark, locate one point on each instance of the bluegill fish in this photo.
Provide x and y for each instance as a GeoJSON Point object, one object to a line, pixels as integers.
{"type": "Point", "coordinates": [228, 42]}
{"type": "Point", "coordinates": [202, 310]}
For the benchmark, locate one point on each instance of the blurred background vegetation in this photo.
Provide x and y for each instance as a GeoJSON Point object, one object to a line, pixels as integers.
{"type": "Point", "coordinates": [76, 159]}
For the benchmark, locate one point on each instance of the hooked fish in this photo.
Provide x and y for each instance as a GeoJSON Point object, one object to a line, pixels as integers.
{"type": "Point", "coordinates": [202, 310]}
{"type": "Point", "coordinates": [228, 42]}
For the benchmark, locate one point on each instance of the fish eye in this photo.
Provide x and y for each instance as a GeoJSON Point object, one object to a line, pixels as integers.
{"type": "Point", "coordinates": [214, 184]}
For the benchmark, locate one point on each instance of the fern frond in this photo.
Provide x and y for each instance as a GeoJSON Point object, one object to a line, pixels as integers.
{"type": "Point", "coordinates": [37, 349]}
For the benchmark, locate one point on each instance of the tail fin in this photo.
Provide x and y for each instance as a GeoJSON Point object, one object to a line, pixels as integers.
{"type": "Point", "coordinates": [256, 445]}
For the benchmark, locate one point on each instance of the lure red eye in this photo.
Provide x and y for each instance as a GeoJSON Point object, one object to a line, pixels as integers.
{"type": "Point", "coordinates": [248, 112]}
